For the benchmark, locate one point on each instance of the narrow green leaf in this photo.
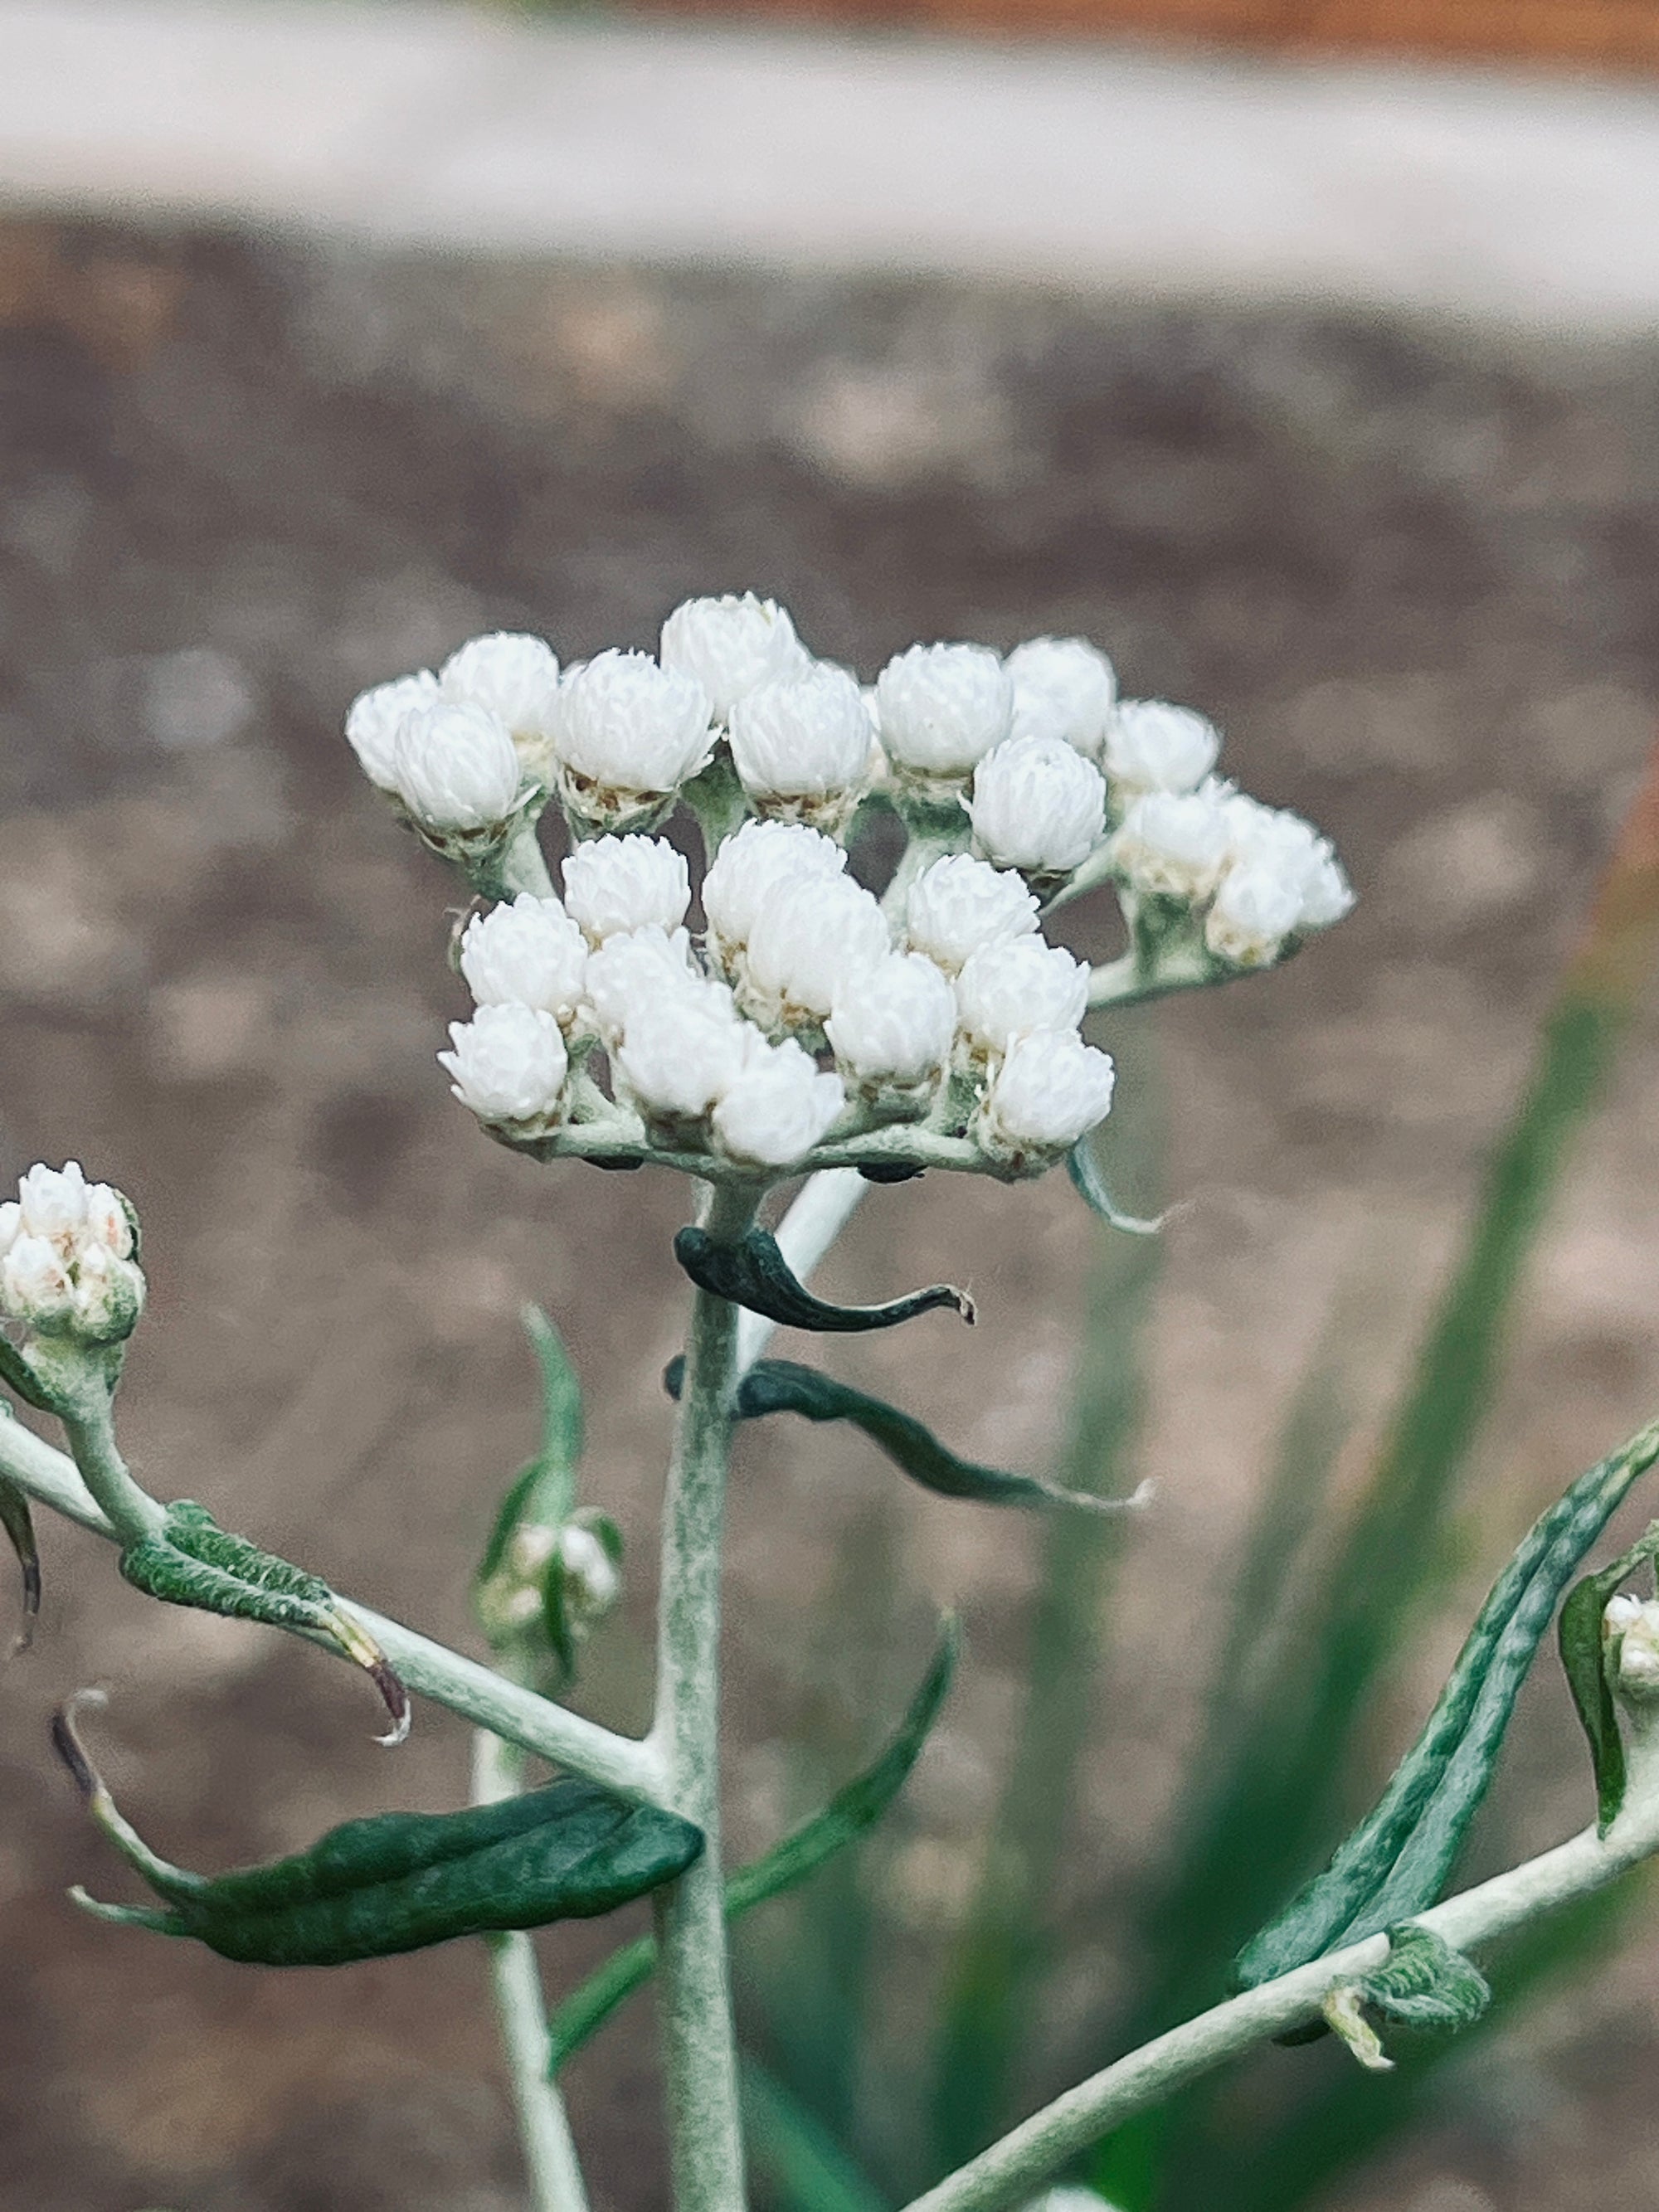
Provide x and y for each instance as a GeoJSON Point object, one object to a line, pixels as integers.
{"type": "Point", "coordinates": [1089, 1180]}
{"type": "Point", "coordinates": [1424, 1983]}
{"type": "Point", "coordinates": [754, 1274]}
{"type": "Point", "coordinates": [810, 2169]}
{"type": "Point", "coordinates": [1397, 1861]}
{"type": "Point", "coordinates": [1583, 1659]}
{"type": "Point", "coordinates": [782, 1386]}
{"type": "Point", "coordinates": [544, 1493]}
{"type": "Point", "coordinates": [850, 1811]}
{"type": "Point", "coordinates": [19, 1524]}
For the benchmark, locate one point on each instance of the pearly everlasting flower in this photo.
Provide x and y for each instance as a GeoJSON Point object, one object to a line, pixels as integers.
{"type": "Point", "coordinates": [747, 867]}
{"type": "Point", "coordinates": [629, 733]}
{"type": "Point", "coordinates": [613, 884]}
{"type": "Point", "coordinates": [11, 1226]}
{"type": "Point", "coordinates": [53, 1204]}
{"type": "Point", "coordinates": [634, 970]}
{"type": "Point", "coordinates": [804, 746]}
{"type": "Point", "coordinates": [959, 904]}
{"type": "Point", "coordinates": [65, 1256]}
{"type": "Point", "coordinates": [1009, 990]}
{"type": "Point", "coordinates": [779, 1108]}
{"type": "Point", "coordinates": [1274, 840]}
{"type": "Point", "coordinates": [1038, 805]}
{"type": "Point", "coordinates": [528, 953]}
{"type": "Point", "coordinates": [456, 767]}
{"type": "Point", "coordinates": [1065, 687]}
{"type": "Point", "coordinates": [893, 1023]}
{"type": "Point", "coordinates": [514, 677]}
{"type": "Point", "coordinates": [591, 1582]}
{"type": "Point", "coordinates": [942, 708]}
{"type": "Point", "coordinates": [109, 1223]}
{"type": "Point", "coordinates": [35, 1283]}
{"type": "Point", "coordinates": [1175, 843]}
{"type": "Point", "coordinates": [679, 1053]}
{"type": "Point", "coordinates": [508, 1063]}
{"type": "Point", "coordinates": [732, 646]}
{"type": "Point", "coordinates": [1050, 1091]}
{"type": "Point", "coordinates": [375, 717]}
{"type": "Point", "coordinates": [1254, 911]}
{"type": "Point", "coordinates": [1153, 746]}
{"type": "Point", "coordinates": [810, 939]}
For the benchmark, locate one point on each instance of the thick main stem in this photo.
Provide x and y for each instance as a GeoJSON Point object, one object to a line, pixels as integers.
{"type": "Point", "coordinates": [699, 2048]}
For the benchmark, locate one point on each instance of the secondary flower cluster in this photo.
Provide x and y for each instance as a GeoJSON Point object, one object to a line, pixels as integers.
{"type": "Point", "coordinates": [961, 1010]}
{"type": "Point", "coordinates": [808, 1008]}
{"type": "Point", "coordinates": [66, 1257]}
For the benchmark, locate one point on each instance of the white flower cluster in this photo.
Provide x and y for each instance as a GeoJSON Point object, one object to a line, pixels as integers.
{"type": "Point", "coordinates": [66, 1256]}
{"type": "Point", "coordinates": [720, 1049]}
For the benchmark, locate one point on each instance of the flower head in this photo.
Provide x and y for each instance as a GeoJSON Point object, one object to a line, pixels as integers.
{"type": "Point", "coordinates": [809, 939]}
{"type": "Point", "coordinates": [528, 953]}
{"type": "Point", "coordinates": [942, 708]}
{"type": "Point", "coordinates": [803, 745]}
{"type": "Point", "coordinates": [1050, 1090]}
{"type": "Point", "coordinates": [748, 866]}
{"type": "Point", "coordinates": [778, 1108]}
{"type": "Point", "coordinates": [517, 679]}
{"type": "Point", "coordinates": [632, 970]}
{"type": "Point", "coordinates": [1064, 688]}
{"type": "Point", "coordinates": [1009, 990]}
{"type": "Point", "coordinates": [1037, 805]}
{"type": "Point", "coordinates": [456, 767]}
{"type": "Point", "coordinates": [1153, 746]}
{"type": "Point", "coordinates": [1175, 843]}
{"type": "Point", "coordinates": [680, 1052]}
{"type": "Point", "coordinates": [66, 1264]}
{"type": "Point", "coordinates": [374, 718]}
{"type": "Point", "coordinates": [1274, 841]}
{"type": "Point", "coordinates": [959, 904]}
{"type": "Point", "coordinates": [732, 645]}
{"type": "Point", "coordinates": [508, 1063]}
{"type": "Point", "coordinates": [618, 884]}
{"type": "Point", "coordinates": [629, 733]}
{"type": "Point", "coordinates": [892, 1023]}
{"type": "Point", "coordinates": [1254, 911]}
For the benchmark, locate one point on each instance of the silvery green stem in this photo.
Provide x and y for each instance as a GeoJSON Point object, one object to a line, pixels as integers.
{"type": "Point", "coordinates": [523, 865]}
{"type": "Point", "coordinates": [475, 1692]}
{"type": "Point", "coordinates": [1006, 2174]}
{"type": "Point", "coordinates": [550, 2153]}
{"type": "Point", "coordinates": [91, 1432]}
{"type": "Point", "coordinates": [699, 2053]}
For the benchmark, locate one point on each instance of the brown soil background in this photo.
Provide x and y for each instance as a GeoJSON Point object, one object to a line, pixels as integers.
{"type": "Point", "coordinates": [1413, 572]}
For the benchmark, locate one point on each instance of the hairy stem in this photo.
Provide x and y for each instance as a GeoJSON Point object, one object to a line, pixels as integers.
{"type": "Point", "coordinates": [550, 2153]}
{"type": "Point", "coordinates": [1006, 2174]}
{"type": "Point", "coordinates": [700, 2062]}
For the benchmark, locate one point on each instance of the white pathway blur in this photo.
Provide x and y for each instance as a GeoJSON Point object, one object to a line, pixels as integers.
{"type": "Point", "coordinates": [1519, 199]}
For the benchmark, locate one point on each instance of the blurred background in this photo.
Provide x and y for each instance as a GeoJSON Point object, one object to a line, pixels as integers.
{"type": "Point", "coordinates": [1311, 372]}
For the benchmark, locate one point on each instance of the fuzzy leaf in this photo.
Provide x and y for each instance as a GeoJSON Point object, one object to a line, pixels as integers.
{"type": "Point", "coordinates": [19, 1524]}
{"type": "Point", "coordinates": [1583, 1659]}
{"type": "Point", "coordinates": [1424, 1983]}
{"type": "Point", "coordinates": [1397, 1862]}
{"type": "Point", "coordinates": [753, 1274]}
{"type": "Point", "coordinates": [17, 1375]}
{"type": "Point", "coordinates": [1089, 1180]}
{"type": "Point", "coordinates": [782, 1386]}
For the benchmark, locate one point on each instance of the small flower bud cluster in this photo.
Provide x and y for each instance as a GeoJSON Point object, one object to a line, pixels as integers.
{"type": "Point", "coordinates": [67, 1263]}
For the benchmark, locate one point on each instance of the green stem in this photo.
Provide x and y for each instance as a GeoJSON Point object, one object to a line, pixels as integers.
{"type": "Point", "coordinates": [91, 1433]}
{"type": "Point", "coordinates": [700, 2060]}
{"type": "Point", "coordinates": [550, 2153]}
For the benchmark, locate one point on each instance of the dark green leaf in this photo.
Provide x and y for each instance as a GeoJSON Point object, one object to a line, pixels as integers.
{"type": "Point", "coordinates": [1424, 1983]}
{"type": "Point", "coordinates": [780, 1386]}
{"type": "Point", "coordinates": [19, 1524]}
{"type": "Point", "coordinates": [1584, 1658]}
{"type": "Point", "coordinates": [854, 1809]}
{"type": "Point", "coordinates": [1397, 1861]}
{"type": "Point", "coordinates": [753, 1274]}
{"type": "Point", "coordinates": [196, 1563]}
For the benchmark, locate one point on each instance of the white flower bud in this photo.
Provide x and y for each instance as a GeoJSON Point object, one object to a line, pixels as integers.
{"type": "Point", "coordinates": [779, 1108]}
{"type": "Point", "coordinates": [613, 884]}
{"type": "Point", "coordinates": [1051, 1089]}
{"type": "Point", "coordinates": [893, 1023]}
{"type": "Point", "coordinates": [109, 1222]}
{"type": "Point", "coordinates": [53, 1202]}
{"type": "Point", "coordinates": [1274, 840]}
{"type": "Point", "coordinates": [1254, 911]}
{"type": "Point", "coordinates": [809, 940]}
{"type": "Point", "coordinates": [679, 1053]}
{"type": "Point", "coordinates": [1009, 990]}
{"type": "Point", "coordinates": [528, 953]}
{"type": "Point", "coordinates": [1153, 746]}
{"type": "Point", "coordinates": [1065, 687]}
{"type": "Point", "coordinates": [959, 904]}
{"type": "Point", "coordinates": [1637, 1675]}
{"type": "Point", "coordinates": [109, 1296]}
{"type": "Point", "coordinates": [508, 1064]}
{"type": "Point", "coordinates": [514, 677]}
{"type": "Point", "coordinates": [456, 767]}
{"type": "Point", "coordinates": [732, 646]}
{"type": "Point", "coordinates": [374, 718]}
{"type": "Point", "coordinates": [591, 1583]}
{"type": "Point", "coordinates": [942, 708]}
{"type": "Point", "coordinates": [629, 733]}
{"type": "Point", "coordinates": [34, 1282]}
{"type": "Point", "coordinates": [806, 739]}
{"type": "Point", "coordinates": [749, 865]}
{"type": "Point", "coordinates": [632, 971]}
{"type": "Point", "coordinates": [1038, 805]}
{"type": "Point", "coordinates": [1173, 844]}
{"type": "Point", "coordinates": [11, 1226]}
{"type": "Point", "coordinates": [1621, 1611]}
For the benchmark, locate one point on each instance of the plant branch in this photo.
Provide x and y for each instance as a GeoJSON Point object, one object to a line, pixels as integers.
{"type": "Point", "coordinates": [699, 2046]}
{"type": "Point", "coordinates": [1010, 2169]}
{"type": "Point", "coordinates": [476, 1693]}
{"type": "Point", "coordinates": [550, 2153]}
